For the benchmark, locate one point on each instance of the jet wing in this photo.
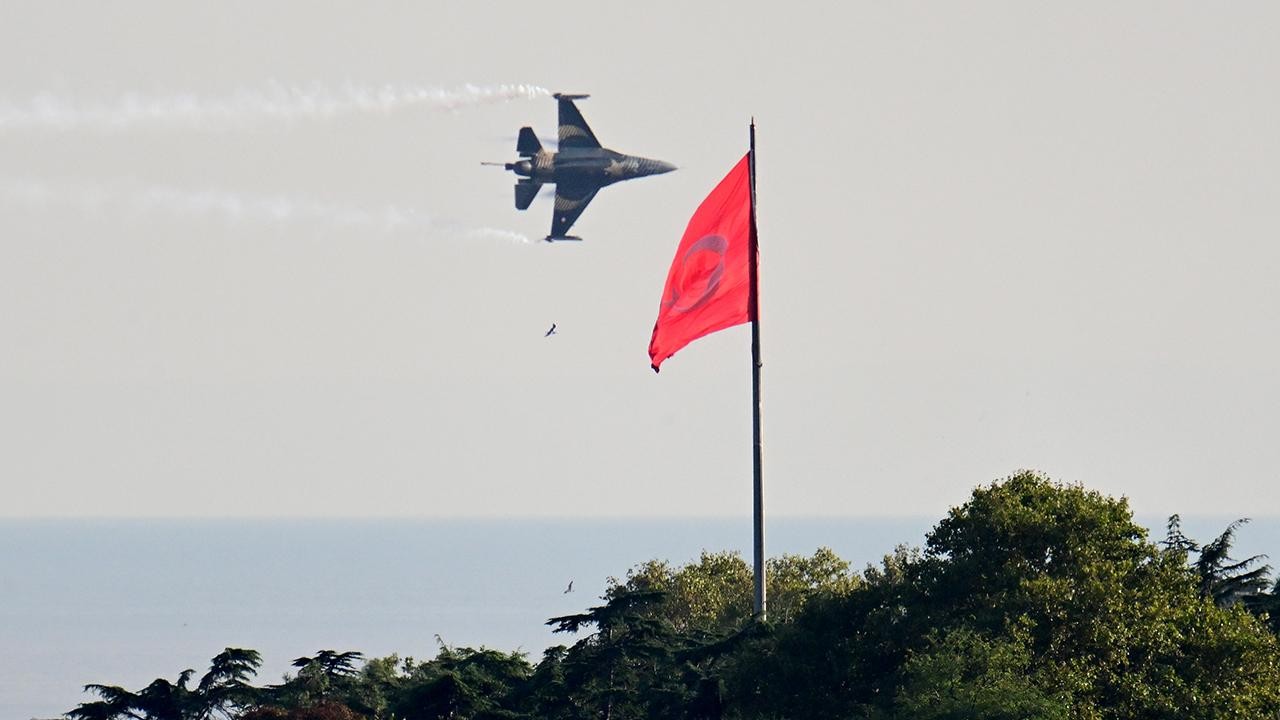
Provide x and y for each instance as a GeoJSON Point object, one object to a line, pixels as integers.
{"type": "Point", "coordinates": [571, 200]}
{"type": "Point", "coordinates": [574, 131]}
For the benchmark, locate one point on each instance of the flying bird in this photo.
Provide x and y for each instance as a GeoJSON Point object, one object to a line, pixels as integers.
{"type": "Point", "coordinates": [550, 332]}
{"type": "Point", "coordinates": [570, 588]}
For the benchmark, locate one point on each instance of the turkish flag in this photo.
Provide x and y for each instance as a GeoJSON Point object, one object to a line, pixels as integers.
{"type": "Point", "coordinates": [709, 284]}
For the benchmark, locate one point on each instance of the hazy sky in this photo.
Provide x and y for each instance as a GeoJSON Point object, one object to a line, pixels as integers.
{"type": "Point", "coordinates": [994, 236]}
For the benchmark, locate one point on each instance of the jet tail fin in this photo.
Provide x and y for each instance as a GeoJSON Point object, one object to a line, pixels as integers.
{"type": "Point", "coordinates": [527, 144]}
{"type": "Point", "coordinates": [526, 191]}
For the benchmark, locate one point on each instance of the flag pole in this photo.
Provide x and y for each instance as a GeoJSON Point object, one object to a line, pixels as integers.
{"type": "Point", "coordinates": [753, 309]}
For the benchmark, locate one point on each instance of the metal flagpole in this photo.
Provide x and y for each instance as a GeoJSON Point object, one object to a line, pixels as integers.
{"type": "Point", "coordinates": [753, 308]}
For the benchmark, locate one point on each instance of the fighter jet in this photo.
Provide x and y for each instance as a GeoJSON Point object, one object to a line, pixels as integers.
{"type": "Point", "coordinates": [578, 170]}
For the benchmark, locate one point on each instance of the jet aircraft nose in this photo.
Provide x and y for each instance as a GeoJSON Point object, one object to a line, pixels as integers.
{"type": "Point", "coordinates": [655, 167]}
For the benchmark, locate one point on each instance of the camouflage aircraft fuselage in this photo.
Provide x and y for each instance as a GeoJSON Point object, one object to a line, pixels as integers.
{"type": "Point", "coordinates": [578, 170]}
{"type": "Point", "coordinates": [599, 167]}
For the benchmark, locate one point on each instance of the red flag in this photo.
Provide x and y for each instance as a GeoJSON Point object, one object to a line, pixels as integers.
{"type": "Point", "coordinates": [709, 286]}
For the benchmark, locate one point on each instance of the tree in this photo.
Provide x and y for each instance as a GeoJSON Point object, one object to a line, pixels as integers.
{"type": "Point", "coordinates": [963, 675]}
{"type": "Point", "coordinates": [839, 657]}
{"type": "Point", "coordinates": [328, 677]}
{"type": "Point", "coordinates": [633, 663]}
{"type": "Point", "coordinates": [625, 668]}
{"type": "Point", "coordinates": [462, 683]}
{"type": "Point", "coordinates": [714, 594]}
{"type": "Point", "coordinates": [1115, 618]}
{"type": "Point", "coordinates": [1267, 607]}
{"type": "Point", "coordinates": [160, 700]}
{"type": "Point", "coordinates": [223, 691]}
{"type": "Point", "coordinates": [1027, 570]}
{"type": "Point", "coordinates": [794, 580]}
{"type": "Point", "coordinates": [1227, 581]}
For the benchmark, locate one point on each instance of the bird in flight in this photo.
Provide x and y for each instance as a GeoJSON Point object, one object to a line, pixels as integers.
{"type": "Point", "coordinates": [570, 588]}
{"type": "Point", "coordinates": [550, 332]}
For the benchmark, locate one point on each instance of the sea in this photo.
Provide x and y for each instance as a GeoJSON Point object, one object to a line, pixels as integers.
{"type": "Point", "coordinates": [122, 602]}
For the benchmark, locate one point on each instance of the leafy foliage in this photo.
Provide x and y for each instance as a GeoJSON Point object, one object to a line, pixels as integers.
{"type": "Point", "coordinates": [1031, 600]}
{"type": "Point", "coordinates": [222, 692]}
{"type": "Point", "coordinates": [964, 675]}
{"type": "Point", "coordinates": [715, 592]}
{"type": "Point", "coordinates": [1229, 581]}
{"type": "Point", "coordinates": [1050, 588]}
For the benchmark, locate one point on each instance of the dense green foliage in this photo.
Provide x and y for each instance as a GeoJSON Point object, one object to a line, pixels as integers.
{"type": "Point", "coordinates": [1031, 600]}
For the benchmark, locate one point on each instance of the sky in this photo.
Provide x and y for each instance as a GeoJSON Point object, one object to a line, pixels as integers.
{"type": "Point", "coordinates": [250, 264]}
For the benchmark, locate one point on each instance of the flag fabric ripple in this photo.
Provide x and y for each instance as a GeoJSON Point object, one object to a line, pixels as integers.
{"type": "Point", "coordinates": [708, 287]}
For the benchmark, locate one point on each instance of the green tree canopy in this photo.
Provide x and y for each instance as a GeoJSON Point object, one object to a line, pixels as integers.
{"type": "Point", "coordinates": [224, 691]}
{"type": "Point", "coordinates": [1049, 587]}
{"type": "Point", "coordinates": [714, 593]}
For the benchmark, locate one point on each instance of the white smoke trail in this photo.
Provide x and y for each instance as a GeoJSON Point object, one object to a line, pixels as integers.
{"type": "Point", "coordinates": [284, 103]}
{"type": "Point", "coordinates": [497, 234]}
{"type": "Point", "coordinates": [234, 208]}
{"type": "Point", "coordinates": [238, 208]}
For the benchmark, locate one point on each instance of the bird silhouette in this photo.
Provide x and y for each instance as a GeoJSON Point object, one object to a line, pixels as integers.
{"type": "Point", "coordinates": [570, 588]}
{"type": "Point", "coordinates": [551, 332]}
